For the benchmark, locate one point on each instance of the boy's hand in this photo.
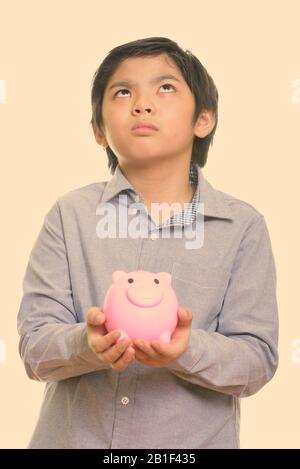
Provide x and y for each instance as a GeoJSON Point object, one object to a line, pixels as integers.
{"type": "Point", "coordinates": [103, 344]}
{"type": "Point", "coordinates": [157, 354]}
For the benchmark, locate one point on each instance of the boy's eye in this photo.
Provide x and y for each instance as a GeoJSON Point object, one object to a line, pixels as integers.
{"type": "Point", "coordinates": [168, 84]}
{"type": "Point", "coordinates": [120, 91]}
{"type": "Point", "coordinates": [124, 89]}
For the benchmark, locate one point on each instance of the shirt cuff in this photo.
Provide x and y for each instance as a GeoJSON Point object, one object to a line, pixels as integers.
{"type": "Point", "coordinates": [190, 357]}
{"type": "Point", "coordinates": [85, 356]}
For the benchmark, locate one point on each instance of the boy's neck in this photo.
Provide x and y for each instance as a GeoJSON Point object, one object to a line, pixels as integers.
{"type": "Point", "coordinates": [165, 182]}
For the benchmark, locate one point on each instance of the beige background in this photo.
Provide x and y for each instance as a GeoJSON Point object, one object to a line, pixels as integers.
{"type": "Point", "coordinates": [49, 51]}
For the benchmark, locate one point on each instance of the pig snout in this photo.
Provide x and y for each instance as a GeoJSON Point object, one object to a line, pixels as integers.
{"type": "Point", "coordinates": [144, 296]}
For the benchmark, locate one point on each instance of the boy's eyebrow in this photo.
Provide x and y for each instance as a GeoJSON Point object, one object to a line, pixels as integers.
{"type": "Point", "coordinates": [154, 80]}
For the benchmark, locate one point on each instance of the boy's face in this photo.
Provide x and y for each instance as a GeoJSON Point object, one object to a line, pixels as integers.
{"type": "Point", "coordinates": [168, 104]}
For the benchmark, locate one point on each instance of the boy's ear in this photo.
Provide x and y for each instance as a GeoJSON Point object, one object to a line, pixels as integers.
{"type": "Point", "coordinates": [100, 137]}
{"type": "Point", "coordinates": [205, 124]}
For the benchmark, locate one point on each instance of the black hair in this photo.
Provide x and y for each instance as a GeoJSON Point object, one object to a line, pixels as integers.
{"type": "Point", "coordinates": [194, 73]}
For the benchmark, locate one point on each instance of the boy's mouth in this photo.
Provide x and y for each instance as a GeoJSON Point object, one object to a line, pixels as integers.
{"type": "Point", "coordinates": [144, 124]}
{"type": "Point", "coordinates": [143, 130]}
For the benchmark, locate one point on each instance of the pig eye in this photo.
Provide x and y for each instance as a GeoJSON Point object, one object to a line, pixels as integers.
{"type": "Point", "coordinates": [156, 280]}
{"type": "Point", "coordinates": [130, 280]}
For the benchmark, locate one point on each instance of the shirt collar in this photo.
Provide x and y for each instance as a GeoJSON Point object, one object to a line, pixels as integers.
{"type": "Point", "coordinates": [214, 201]}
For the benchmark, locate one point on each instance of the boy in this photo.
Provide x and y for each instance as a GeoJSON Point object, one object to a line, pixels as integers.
{"type": "Point", "coordinates": [102, 392]}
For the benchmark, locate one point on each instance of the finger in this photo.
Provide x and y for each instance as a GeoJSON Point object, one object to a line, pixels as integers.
{"type": "Point", "coordinates": [185, 317]}
{"type": "Point", "coordinates": [145, 347]}
{"type": "Point", "coordinates": [114, 353]}
{"type": "Point", "coordinates": [124, 360]}
{"type": "Point", "coordinates": [129, 354]}
{"type": "Point", "coordinates": [147, 361]}
{"type": "Point", "coordinates": [103, 343]}
{"type": "Point", "coordinates": [95, 316]}
{"type": "Point", "coordinates": [161, 348]}
{"type": "Point", "coordinates": [140, 355]}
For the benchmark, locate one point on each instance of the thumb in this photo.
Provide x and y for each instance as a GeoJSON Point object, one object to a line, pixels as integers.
{"type": "Point", "coordinates": [185, 317]}
{"type": "Point", "coordinates": [95, 316]}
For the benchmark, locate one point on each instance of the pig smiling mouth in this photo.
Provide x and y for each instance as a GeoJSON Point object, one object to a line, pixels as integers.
{"type": "Point", "coordinates": [150, 301]}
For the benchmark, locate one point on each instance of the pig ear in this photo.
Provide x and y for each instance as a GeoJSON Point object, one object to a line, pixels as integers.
{"type": "Point", "coordinates": [117, 274]}
{"type": "Point", "coordinates": [164, 277]}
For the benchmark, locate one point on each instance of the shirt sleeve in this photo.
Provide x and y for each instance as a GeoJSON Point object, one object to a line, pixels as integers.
{"type": "Point", "coordinates": [241, 356]}
{"type": "Point", "coordinates": [53, 343]}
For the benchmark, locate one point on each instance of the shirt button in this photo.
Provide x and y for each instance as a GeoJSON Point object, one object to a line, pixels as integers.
{"type": "Point", "coordinates": [125, 400]}
{"type": "Point", "coordinates": [136, 198]}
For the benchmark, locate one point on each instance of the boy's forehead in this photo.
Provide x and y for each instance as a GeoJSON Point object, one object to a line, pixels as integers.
{"type": "Point", "coordinates": [161, 64]}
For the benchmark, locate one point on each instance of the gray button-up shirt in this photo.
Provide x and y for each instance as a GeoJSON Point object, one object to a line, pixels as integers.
{"type": "Point", "coordinates": [229, 283]}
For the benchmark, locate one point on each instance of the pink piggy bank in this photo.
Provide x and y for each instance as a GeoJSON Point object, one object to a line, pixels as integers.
{"type": "Point", "coordinates": [141, 305]}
